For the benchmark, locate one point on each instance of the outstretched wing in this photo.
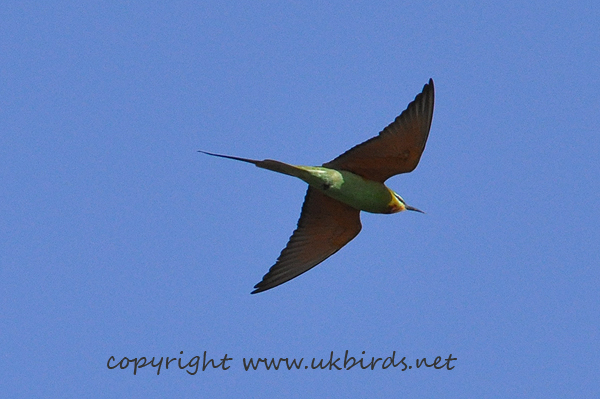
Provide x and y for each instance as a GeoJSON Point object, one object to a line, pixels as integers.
{"type": "Point", "coordinates": [398, 148]}
{"type": "Point", "coordinates": [325, 226]}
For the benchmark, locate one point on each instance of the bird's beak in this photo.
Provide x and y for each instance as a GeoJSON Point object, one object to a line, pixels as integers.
{"type": "Point", "coordinates": [412, 208]}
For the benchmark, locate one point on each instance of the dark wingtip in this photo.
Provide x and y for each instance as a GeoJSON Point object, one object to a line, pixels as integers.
{"type": "Point", "coordinates": [259, 289]}
{"type": "Point", "coordinates": [429, 86]}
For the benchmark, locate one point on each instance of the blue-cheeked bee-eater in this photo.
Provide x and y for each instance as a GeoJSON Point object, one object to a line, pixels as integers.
{"type": "Point", "coordinates": [341, 188]}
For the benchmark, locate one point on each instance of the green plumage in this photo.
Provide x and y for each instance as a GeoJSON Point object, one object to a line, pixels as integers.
{"type": "Point", "coordinates": [351, 189]}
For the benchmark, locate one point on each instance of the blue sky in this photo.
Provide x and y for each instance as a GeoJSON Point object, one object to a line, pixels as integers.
{"type": "Point", "coordinates": [118, 239]}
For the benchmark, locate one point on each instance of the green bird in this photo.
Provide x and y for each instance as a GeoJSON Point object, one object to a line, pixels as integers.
{"type": "Point", "coordinates": [341, 188]}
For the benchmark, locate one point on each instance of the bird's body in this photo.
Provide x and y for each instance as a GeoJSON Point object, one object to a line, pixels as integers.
{"type": "Point", "coordinates": [352, 189]}
{"type": "Point", "coordinates": [343, 187]}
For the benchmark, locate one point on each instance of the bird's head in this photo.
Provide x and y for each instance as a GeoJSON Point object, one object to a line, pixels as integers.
{"type": "Point", "coordinates": [399, 205]}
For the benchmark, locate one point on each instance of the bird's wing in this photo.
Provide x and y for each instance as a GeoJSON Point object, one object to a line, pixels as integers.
{"type": "Point", "coordinates": [325, 226]}
{"type": "Point", "coordinates": [398, 148]}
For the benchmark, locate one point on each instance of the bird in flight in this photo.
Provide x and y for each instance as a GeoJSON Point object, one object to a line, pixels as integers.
{"type": "Point", "coordinates": [341, 188]}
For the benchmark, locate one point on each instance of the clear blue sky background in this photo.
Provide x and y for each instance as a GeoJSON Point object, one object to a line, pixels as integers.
{"type": "Point", "coordinates": [118, 239]}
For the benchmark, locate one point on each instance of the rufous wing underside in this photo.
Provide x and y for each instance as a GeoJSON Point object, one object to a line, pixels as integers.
{"type": "Point", "coordinates": [398, 148]}
{"type": "Point", "coordinates": [325, 226]}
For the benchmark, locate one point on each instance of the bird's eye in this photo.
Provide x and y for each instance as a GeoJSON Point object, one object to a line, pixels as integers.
{"type": "Point", "coordinates": [399, 199]}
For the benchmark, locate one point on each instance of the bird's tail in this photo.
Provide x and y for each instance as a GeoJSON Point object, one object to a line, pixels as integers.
{"type": "Point", "coordinates": [270, 164]}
